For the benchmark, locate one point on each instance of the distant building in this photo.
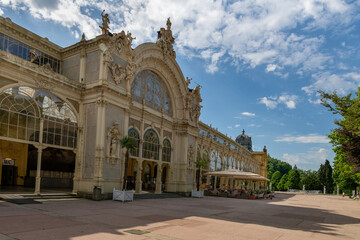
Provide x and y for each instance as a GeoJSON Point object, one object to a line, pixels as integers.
{"type": "Point", "coordinates": [63, 111]}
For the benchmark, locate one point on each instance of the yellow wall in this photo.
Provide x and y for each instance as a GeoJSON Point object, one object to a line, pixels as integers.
{"type": "Point", "coordinates": [17, 151]}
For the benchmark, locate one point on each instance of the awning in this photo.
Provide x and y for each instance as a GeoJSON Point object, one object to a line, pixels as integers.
{"type": "Point", "coordinates": [237, 174]}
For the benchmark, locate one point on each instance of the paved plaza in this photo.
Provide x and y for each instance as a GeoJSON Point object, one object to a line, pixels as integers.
{"type": "Point", "coordinates": [287, 216]}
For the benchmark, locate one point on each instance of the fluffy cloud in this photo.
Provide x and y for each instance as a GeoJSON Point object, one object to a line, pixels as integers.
{"type": "Point", "coordinates": [310, 138]}
{"type": "Point", "coordinates": [273, 102]}
{"type": "Point", "coordinates": [248, 114]}
{"type": "Point", "coordinates": [328, 82]}
{"type": "Point", "coordinates": [308, 160]}
{"type": "Point", "coordinates": [251, 33]}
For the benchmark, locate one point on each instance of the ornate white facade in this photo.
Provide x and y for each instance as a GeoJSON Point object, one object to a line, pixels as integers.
{"type": "Point", "coordinates": [79, 101]}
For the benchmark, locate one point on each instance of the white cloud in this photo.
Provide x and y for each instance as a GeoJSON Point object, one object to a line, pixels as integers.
{"type": "Point", "coordinates": [310, 124]}
{"type": "Point", "coordinates": [254, 125]}
{"type": "Point", "coordinates": [237, 125]}
{"type": "Point", "coordinates": [252, 33]}
{"type": "Point", "coordinates": [1, 12]}
{"type": "Point", "coordinates": [308, 160]}
{"type": "Point", "coordinates": [273, 102]}
{"type": "Point", "coordinates": [310, 138]}
{"type": "Point", "coordinates": [269, 102]}
{"type": "Point", "coordinates": [328, 82]}
{"type": "Point", "coordinates": [249, 114]}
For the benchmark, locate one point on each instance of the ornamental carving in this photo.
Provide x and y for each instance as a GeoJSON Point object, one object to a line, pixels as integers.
{"type": "Point", "coordinates": [165, 40]}
{"type": "Point", "coordinates": [193, 101]}
{"type": "Point", "coordinates": [44, 84]}
{"type": "Point", "coordinates": [118, 73]}
{"type": "Point", "coordinates": [113, 144]}
{"type": "Point", "coordinates": [105, 23]}
{"type": "Point", "coordinates": [121, 42]}
{"type": "Point", "coordinates": [190, 157]}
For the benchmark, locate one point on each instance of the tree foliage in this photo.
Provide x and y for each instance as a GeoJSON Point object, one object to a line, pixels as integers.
{"type": "Point", "coordinates": [275, 179]}
{"type": "Point", "coordinates": [325, 176]}
{"type": "Point", "coordinates": [310, 179]}
{"type": "Point", "coordinates": [348, 132]}
{"type": "Point", "coordinates": [281, 186]}
{"type": "Point", "coordinates": [293, 180]}
{"type": "Point", "coordinates": [277, 165]}
{"type": "Point", "coordinates": [129, 144]}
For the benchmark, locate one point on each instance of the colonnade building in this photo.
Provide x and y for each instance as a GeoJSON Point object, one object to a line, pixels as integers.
{"type": "Point", "coordinates": [64, 110]}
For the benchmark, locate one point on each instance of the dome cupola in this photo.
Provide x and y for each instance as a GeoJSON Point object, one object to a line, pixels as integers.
{"type": "Point", "coordinates": [244, 140]}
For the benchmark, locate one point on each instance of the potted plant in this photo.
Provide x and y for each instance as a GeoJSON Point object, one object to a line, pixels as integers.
{"type": "Point", "coordinates": [124, 195]}
{"type": "Point", "coordinates": [252, 196]}
{"type": "Point", "coordinates": [197, 193]}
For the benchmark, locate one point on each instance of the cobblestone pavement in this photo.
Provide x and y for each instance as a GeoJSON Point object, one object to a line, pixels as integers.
{"type": "Point", "coordinates": [287, 216]}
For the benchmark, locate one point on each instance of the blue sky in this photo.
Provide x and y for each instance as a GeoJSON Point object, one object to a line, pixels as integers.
{"type": "Point", "coordinates": [259, 63]}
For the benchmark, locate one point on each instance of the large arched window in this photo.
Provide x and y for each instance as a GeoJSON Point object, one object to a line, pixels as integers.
{"type": "Point", "coordinates": [205, 157]}
{"type": "Point", "coordinates": [133, 134]}
{"type": "Point", "coordinates": [151, 145]}
{"type": "Point", "coordinates": [149, 86]}
{"type": "Point", "coordinates": [166, 151]}
{"type": "Point", "coordinates": [21, 109]}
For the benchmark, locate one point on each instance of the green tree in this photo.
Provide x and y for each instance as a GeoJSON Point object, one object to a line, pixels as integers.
{"type": "Point", "coordinates": [293, 180]}
{"type": "Point", "coordinates": [310, 179]}
{"type": "Point", "coordinates": [344, 175]}
{"type": "Point", "coordinates": [129, 144]}
{"type": "Point", "coordinates": [348, 138]}
{"type": "Point", "coordinates": [275, 179]}
{"type": "Point", "coordinates": [282, 182]}
{"type": "Point", "coordinates": [277, 165]}
{"type": "Point", "coordinates": [325, 176]}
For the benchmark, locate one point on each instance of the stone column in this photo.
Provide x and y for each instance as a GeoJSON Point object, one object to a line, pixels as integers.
{"type": "Point", "coordinates": [122, 167]}
{"type": "Point", "coordinates": [39, 156]}
{"type": "Point", "coordinates": [82, 70]}
{"type": "Point", "coordinates": [158, 179]}
{"type": "Point", "coordinates": [100, 140]}
{"type": "Point", "coordinates": [138, 187]}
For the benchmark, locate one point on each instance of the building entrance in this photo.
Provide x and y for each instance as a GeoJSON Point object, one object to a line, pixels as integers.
{"type": "Point", "coordinates": [8, 175]}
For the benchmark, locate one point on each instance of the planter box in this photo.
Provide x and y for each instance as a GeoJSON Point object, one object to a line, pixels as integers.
{"type": "Point", "coordinates": [197, 194]}
{"type": "Point", "coordinates": [252, 197]}
{"type": "Point", "coordinates": [123, 196]}
{"type": "Point", "coordinates": [223, 194]}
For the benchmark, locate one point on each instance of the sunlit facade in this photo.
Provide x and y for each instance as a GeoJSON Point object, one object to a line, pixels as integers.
{"type": "Point", "coordinates": [64, 110]}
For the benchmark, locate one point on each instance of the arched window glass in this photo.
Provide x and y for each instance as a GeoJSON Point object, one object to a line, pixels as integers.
{"type": "Point", "coordinates": [133, 134]}
{"type": "Point", "coordinates": [205, 157]}
{"type": "Point", "coordinates": [149, 86]}
{"type": "Point", "coordinates": [166, 151]}
{"type": "Point", "coordinates": [151, 145]}
{"type": "Point", "coordinates": [218, 163]}
{"type": "Point", "coordinates": [213, 161]}
{"type": "Point", "coordinates": [226, 164]}
{"type": "Point", "coordinates": [21, 109]}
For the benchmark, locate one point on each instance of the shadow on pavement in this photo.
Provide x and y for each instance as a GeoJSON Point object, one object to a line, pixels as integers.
{"type": "Point", "coordinates": [71, 218]}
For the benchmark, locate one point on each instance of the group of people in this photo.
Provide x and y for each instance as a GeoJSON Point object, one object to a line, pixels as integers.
{"type": "Point", "coordinates": [354, 197]}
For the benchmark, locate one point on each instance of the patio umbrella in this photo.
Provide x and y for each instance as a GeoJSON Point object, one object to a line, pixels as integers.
{"type": "Point", "coordinates": [232, 173]}
{"type": "Point", "coordinates": [252, 178]}
{"type": "Point", "coordinates": [237, 175]}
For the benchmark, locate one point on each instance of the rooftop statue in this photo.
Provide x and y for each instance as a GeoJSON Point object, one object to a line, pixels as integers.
{"type": "Point", "coordinates": [166, 40]}
{"type": "Point", "coordinates": [105, 23]}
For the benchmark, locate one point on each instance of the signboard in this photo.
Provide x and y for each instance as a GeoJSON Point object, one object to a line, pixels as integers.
{"type": "Point", "coordinates": [8, 161]}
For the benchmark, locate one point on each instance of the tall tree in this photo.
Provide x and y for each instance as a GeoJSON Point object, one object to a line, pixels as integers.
{"type": "Point", "coordinates": [281, 185]}
{"type": "Point", "coordinates": [344, 175]}
{"type": "Point", "coordinates": [275, 179]}
{"type": "Point", "coordinates": [310, 179]}
{"type": "Point", "coordinates": [348, 127]}
{"type": "Point", "coordinates": [293, 180]}
{"type": "Point", "coordinates": [129, 144]}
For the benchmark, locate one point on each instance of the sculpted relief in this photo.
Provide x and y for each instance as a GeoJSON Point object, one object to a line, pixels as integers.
{"type": "Point", "coordinates": [193, 100]}
{"type": "Point", "coordinates": [166, 40]}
